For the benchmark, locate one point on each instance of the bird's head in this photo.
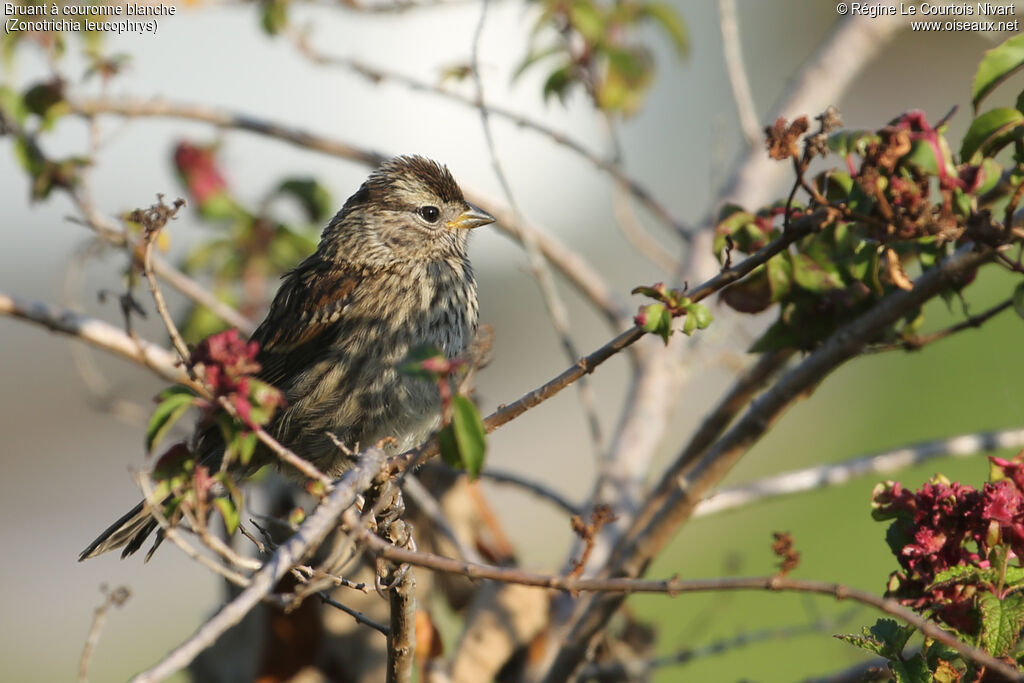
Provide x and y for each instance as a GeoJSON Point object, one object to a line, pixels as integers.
{"type": "Point", "coordinates": [409, 208]}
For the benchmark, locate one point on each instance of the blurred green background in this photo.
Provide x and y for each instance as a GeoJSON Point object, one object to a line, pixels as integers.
{"type": "Point", "coordinates": [65, 461]}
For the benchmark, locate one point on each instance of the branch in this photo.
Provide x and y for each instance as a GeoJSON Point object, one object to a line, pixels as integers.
{"type": "Point", "coordinates": [918, 342]}
{"type": "Point", "coordinates": [587, 280]}
{"type": "Point", "coordinates": [683, 484]}
{"type": "Point", "coordinates": [402, 633]}
{"type": "Point", "coordinates": [537, 488]}
{"type": "Point", "coordinates": [309, 535]}
{"type": "Point", "coordinates": [376, 75]}
{"type": "Point", "coordinates": [814, 478]}
{"type": "Point", "coordinates": [732, 51]}
{"type": "Point", "coordinates": [97, 333]}
{"type": "Point", "coordinates": [674, 587]}
{"type": "Point", "coordinates": [558, 312]}
{"type": "Point", "coordinates": [114, 598]}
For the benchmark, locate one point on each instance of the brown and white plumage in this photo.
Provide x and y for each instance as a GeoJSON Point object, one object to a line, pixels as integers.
{"type": "Point", "coordinates": [390, 274]}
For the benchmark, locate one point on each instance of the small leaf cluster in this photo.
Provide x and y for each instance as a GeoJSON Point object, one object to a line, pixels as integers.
{"type": "Point", "coordinates": [462, 438]}
{"type": "Point", "coordinates": [888, 639]}
{"type": "Point", "coordinates": [228, 364]}
{"type": "Point", "coordinates": [27, 114]}
{"type": "Point", "coordinates": [591, 44]}
{"type": "Point", "coordinates": [899, 202]}
{"type": "Point", "coordinates": [657, 318]}
{"type": "Point", "coordinates": [190, 490]}
{"type": "Point", "coordinates": [249, 245]}
{"type": "Point", "coordinates": [959, 551]}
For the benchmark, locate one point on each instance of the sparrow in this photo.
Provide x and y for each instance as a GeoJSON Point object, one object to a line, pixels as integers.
{"type": "Point", "coordinates": [390, 274]}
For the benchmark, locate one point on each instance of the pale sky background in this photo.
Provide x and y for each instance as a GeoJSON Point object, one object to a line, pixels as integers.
{"type": "Point", "coordinates": [66, 465]}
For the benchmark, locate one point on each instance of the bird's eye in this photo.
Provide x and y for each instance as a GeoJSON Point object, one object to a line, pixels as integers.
{"type": "Point", "coordinates": [429, 213]}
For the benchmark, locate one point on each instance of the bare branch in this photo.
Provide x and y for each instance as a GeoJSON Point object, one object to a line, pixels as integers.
{"type": "Point", "coordinates": [620, 587]}
{"type": "Point", "coordinates": [537, 488]}
{"type": "Point", "coordinates": [918, 342]}
{"type": "Point", "coordinates": [310, 535]}
{"type": "Point", "coordinates": [683, 484]}
{"type": "Point", "coordinates": [587, 280]}
{"type": "Point", "coordinates": [588, 364]}
{"type": "Point", "coordinates": [610, 166]}
{"type": "Point", "coordinates": [814, 478]}
{"type": "Point", "coordinates": [558, 312]}
{"type": "Point", "coordinates": [114, 598]}
{"type": "Point", "coordinates": [732, 50]}
{"type": "Point", "coordinates": [97, 333]}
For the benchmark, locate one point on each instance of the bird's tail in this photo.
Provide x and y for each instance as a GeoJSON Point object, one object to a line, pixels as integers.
{"type": "Point", "coordinates": [130, 531]}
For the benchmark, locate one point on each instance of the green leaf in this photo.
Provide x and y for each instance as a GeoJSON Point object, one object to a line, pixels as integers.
{"type": "Point", "coordinates": [470, 435]}
{"type": "Point", "coordinates": [699, 313]}
{"type": "Point", "coordinates": [449, 447]}
{"type": "Point", "coordinates": [810, 275]}
{"type": "Point", "coordinates": [847, 142]}
{"type": "Point", "coordinates": [1001, 622]}
{"type": "Point", "coordinates": [656, 319]}
{"type": "Point", "coordinates": [778, 336]}
{"type": "Point", "coordinates": [996, 66]}
{"type": "Point", "coordinates": [230, 512]}
{"type": "Point", "coordinates": [413, 363]}
{"type": "Point", "coordinates": [886, 638]}
{"type": "Point", "coordinates": [12, 103]}
{"type": "Point", "coordinates": [1018, 299]}
{"type": "Point", "coordinates": [689, 325]}
{"type": "Point", "coordinates": [244, 446]}
{"type": "Point", "coordinates": [664, 15]}
{"type": "Point", "coordinates": [964, 574]}
{"type": "Point", "coordinates": [311, 195]}
{"type": "Point", "coordinates": [586, 19]}
{"type": "Point", "coordinates": [912, 670]}
{"type": "Point", "coordinates": [990, 132]}
{"type": "Point", "coordinates": [558, 82]}
{"type": "Point", "coordinates": [463, 442]}
{"type": "Point", "coordinates": [174, 401]}
{"type": "Point", "coordinates": [275, 16]}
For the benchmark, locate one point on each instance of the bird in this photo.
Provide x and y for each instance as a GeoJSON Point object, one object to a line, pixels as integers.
{"type": "Point", "coordinates": [390, 273]}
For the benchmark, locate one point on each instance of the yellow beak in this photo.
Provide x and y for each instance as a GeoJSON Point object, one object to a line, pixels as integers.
{"type": "Point", "coordinates": [472, 217]}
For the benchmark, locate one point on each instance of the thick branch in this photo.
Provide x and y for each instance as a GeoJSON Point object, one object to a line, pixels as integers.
{"type": "Point", "coordinates": [683, 484]}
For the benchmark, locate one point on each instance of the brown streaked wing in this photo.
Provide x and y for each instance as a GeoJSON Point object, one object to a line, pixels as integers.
{"type": "Point", "coordinates": [303, 319]}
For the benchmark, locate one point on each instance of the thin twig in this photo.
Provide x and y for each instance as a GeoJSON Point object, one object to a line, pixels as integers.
{"type": "Point", "coordinates": [683, 484]}
{"type": "Point", "coordinates": [640, 669]}
{"type": "Point", "coordinates": [537, 488]}
{"type": "Point", "coordinates": [588, 364]}
{"type": "Point", "coordinates": [376, 75]}
{"type": "Point", "coordinates": [355, 614]}
{"type": "Point", "coordinates": [310, 535]}
{"type": "Point", "coordinates": [172, 533]}
{"type": "Point", "coordinates": [815, 478]}
{"type": "Point", "coordinates": [583, 276]}
{"type": "Point", "coordinates": [431, 508]}
{"type": "Point", "coordinates": [732, 50]}
{"type": "Point", "coordinates": [558, 312]}
{"type": "Point", "coordinates": [918, 342]}
{"type": "Point", "coordinates": [114, 598]}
